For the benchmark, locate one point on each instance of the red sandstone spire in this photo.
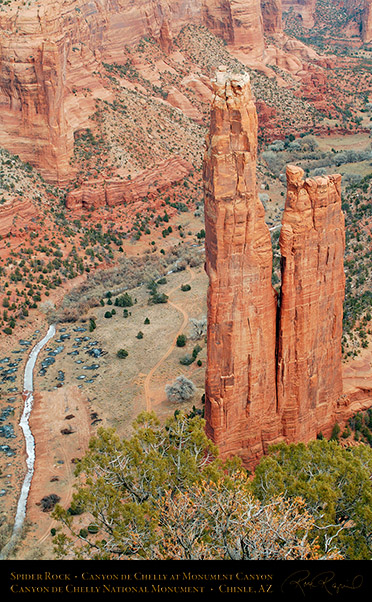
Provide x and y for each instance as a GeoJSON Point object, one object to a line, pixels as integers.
{"type": "Point", "coordinates": [254, 398]}
{"type": "Point", "coordinates": [240, 378]}
{"type": "Point", "coordinates": [312, 244]}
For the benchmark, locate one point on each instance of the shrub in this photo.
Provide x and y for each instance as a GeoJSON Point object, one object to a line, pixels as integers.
{"type": "Point", "coordinates": [158, 298]}
{"type": "Point", "coordinates": [198, 328]}
{"type": "Point", "coordinates": [196, 350]}
{"type": "Point", "coordinates": [181, 390]}
{"type": "Point", "coordinates": [139, 335]}
{"type": "Point", "coordinates": [49, 501]}
{"type": "Point", "coordinates": [108, 314]}
{"type": "Point", "coordinates": [335, 432]}
{"type": "Point", "coordinates": [187, 359]}
{"type": "Point", "coordinates": [122, 353]}
{"type": "Point", "coordinates": [147, 321]}
{"type": "Point", "coordinates": [124, 301]}
{"type": "Point", "coordinates": [181, 340]}
{"type": "Point", "coordinates": [92, 324]}
{"type": "Point", "coordinates": [185, 287]}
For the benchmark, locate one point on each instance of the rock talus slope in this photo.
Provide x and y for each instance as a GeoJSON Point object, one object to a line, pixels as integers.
{"type": "Point", "coordinates": [312, 242]}
{"type": "Point", "coordinates": [240, 379]}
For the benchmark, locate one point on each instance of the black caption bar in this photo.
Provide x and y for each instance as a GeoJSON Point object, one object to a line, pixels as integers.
{"type": "Point", "coordinates": [139, 580]}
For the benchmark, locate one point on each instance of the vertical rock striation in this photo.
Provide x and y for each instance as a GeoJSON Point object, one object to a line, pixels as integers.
{"type": "Point", "coordinates": [367, 22]}
{"type": "Point", "coordinates": [312, 244]}
{"type": "Point", "coordinates": [272, 16]}
{"type": "Point", "coordinates": [272, 374]}
{"type": "Point", "coordinates": [240, 379]}
{"type": "Point", "coordinates": [52, 54]}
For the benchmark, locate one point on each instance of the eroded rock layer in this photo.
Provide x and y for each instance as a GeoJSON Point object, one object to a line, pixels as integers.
{"type": "Point", "coordinates": [312, 240]}
{"type": "Point", "coordinates": [95, 193]}
{"type": "Point", "coordinates": [367, 22]}
{"type": "Point", "coordinates": [240, 378]}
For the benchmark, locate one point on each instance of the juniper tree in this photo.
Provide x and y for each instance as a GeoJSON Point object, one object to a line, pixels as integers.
{"type": "Point", "coordinates": [164, 494]}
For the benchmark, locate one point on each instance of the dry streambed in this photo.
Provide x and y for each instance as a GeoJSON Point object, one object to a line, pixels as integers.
{"type": "Point", "coordinates": [80, 383]}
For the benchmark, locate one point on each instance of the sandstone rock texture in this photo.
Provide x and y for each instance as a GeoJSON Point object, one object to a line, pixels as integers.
{"type": "Point", "coordinates": [45, 50]}
{"type": "Point", "coordinates": [95, 193]}
{"type": "Point", "coordinates": [240, 381]}
{"type": "Point", "coordinates": [312, 241]}
{"type": "Point", "coordinates": [273, 365]}
{"type": "Point", "coordinates": [304, 8]}
{"type": "Point", "coordinates": [367, 22]}
{"type": "Point", "coordinates": [272, 16]}
{"type": "Point", "coordinates": [16, 214]}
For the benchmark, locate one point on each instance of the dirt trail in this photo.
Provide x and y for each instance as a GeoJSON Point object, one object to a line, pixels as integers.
{"type": "Point", "coordinates": [185, 315]}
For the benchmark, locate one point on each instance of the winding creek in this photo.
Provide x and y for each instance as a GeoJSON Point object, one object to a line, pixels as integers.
{"type": "Point", "coordinates": [28, 389]}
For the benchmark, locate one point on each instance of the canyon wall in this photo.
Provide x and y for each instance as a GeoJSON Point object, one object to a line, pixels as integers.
{"type": "Point", "coordinates": [46, 50]}
{"type": "Point", "coordinates": [240, 379]}
{"type": "Point", "coordinates": [15, 215]}
{"type": "Point", "coordinates": [272, 16]}
{"type": "Point", "coordinates": [367, 22]}
{"type": "Point", "coordinates": [304, 8]}
{"type": "Point", "coordinates": [273, 366]}
{"type": "Point", "coordinates": [51, 55]}
{"type": "Point", "coordinates": [312, 242]}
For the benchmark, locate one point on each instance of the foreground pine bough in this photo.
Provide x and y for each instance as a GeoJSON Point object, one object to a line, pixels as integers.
{"type": "Point", "coordinates": [164, 494]}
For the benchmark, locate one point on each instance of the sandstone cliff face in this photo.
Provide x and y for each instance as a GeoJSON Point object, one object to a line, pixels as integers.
{"type": "Point", "coordinates": [238, 22]}
{"type": "Point", "coordinates": [272, 16]}
{"type": "Point", "coordinates": [304, 8]}
{"type": "Point", "coordinates": [240, 378]}
{"type": "Point", "coordinates": [309, 377]}
{"type": "Point", "coordinates": [44, 51]}
{"type": "Point", "coordinates": [16, 214]}
{"type": "Point", "coordinates": [95, 193]}
{"type": "Point", "coordinates": [367, 22]}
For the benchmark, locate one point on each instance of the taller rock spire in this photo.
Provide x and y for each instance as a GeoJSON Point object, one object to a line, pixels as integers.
{"type": "Point", "coordinates": [241, 408]}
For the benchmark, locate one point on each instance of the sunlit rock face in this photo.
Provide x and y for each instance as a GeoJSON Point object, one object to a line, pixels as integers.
{"type": "Point", "coordinates": [240, 382]}
{"type": "Point", "coordinates": [51, 56]}
{"type": "Point", "coordinates": [272, 16]}
{"type": "Point", "coordinates": [273, 365]}
{"type": "Point", "coordinates": [312, 242]}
